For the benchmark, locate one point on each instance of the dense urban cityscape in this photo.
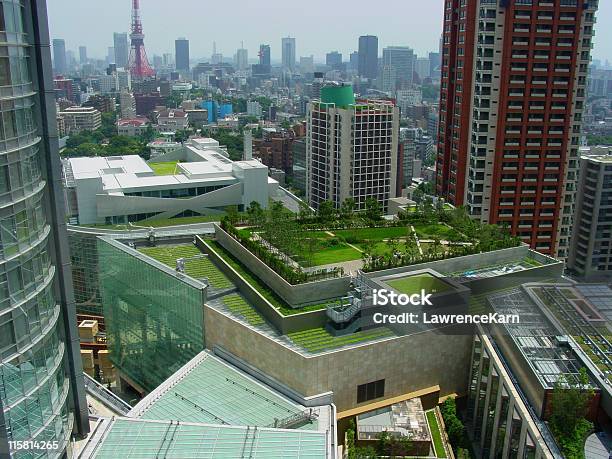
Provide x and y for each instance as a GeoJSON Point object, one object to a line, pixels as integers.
{"type": "Point", "coordinates": [377, 254]}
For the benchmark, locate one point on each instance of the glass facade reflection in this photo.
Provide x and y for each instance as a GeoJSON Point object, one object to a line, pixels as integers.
{"type": "Point", "coordinates": [36, 396]}
{"type": "Point", "coordinates": [154, 319]}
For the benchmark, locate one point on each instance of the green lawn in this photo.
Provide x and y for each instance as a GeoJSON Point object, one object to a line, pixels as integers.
{"type": "Point", "coordinates": [198, 269]}
{"type": "Point", "coordinates": [440, 231]}
{"type": "Point", "coordinates": [436, 434]}
{"type": "Point", "coordinates": [164, 168]}
{"type": "Point", "coordinates": [414, 284]}
{"type": "Point", "coordinates": [327, 250]}
{"type": "Point", "coordinates": [319, 339]}
{"type": "Point", "coordinates": [373, 234]}
{"type": "Point", "coordinates": [238, 305]}
{"type": "Point", "coordinates": [260, 286]}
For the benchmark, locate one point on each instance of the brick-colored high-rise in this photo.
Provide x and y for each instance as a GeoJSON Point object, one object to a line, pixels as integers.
{"type": "Point", "coordinates": [513, 91]}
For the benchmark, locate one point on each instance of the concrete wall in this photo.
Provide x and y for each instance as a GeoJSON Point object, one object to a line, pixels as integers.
{"type": "Point", "coordinates": [408, 363]}
{"type": "Point", "coordinates": [283, 324]}
{"type": "Point", "coordinates": [292, 294]}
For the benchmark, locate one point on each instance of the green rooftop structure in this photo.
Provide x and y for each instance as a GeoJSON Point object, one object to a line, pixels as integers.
{"type": "Point", "coordinates": [341, 96]}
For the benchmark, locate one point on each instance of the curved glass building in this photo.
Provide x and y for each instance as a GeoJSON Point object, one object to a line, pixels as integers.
{"type": "Point", "coordinates": [41, 385]}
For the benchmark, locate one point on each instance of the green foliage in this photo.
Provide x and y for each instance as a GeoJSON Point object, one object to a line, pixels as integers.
{"type": "Point", "coordinates": [182, 135]}
{"type": "Point", "coordinates": [373, 210]}
{"type": "Point", "coordinates": [232, 140]}
{"type": "Point", "coordinates": [599, 139]}
{"type": "Point", "coordinates": [174, 100]}
{"type": "Point", "coordinates": [455, 429]}
{"type": "Point", "coordinates": [570, 404]}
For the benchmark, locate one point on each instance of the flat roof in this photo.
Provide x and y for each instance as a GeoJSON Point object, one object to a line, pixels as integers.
{"type": "Point", "coordinates": [405, 418]}
{"type": "Point", "coordinates": [138, 438]}
{"type": "Point", "coordinates": [538, 341]}
{"type": "Point", "coordinates": [209, 390]}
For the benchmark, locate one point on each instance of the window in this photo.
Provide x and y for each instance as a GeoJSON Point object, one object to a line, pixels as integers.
{"type": "Point", "coordinates": [370, 391]}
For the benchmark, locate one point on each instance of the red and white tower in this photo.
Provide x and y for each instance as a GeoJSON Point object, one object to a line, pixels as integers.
{"type": "Point", "coordinates": [138, 63]}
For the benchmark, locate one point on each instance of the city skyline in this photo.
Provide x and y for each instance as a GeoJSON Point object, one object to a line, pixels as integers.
{"type": "Point", "coordinates": [394, 23]}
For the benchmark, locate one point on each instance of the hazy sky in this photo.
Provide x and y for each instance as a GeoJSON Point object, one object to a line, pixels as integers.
{"type": "Point", "coordinates": [318, 25]}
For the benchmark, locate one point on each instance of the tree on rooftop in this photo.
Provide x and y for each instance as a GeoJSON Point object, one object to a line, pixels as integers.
{"type": "Point", "coordinates": [373, 210]}
{"type": "Point", "coordinates": [347, 208]}
{"type": "Point", "coordinates": [326, 211]}
{"type": "Point", "coordinates": [255, 213]}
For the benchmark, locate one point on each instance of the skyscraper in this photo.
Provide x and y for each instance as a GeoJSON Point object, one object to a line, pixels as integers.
{"type": "Point", "coordinates": [398, 67]}
{"type": "Point", "coordinates": [509, 150]}
{"type": "Point", "coordinates": [181, 47]}
{"type": "Point", "coordinates": [288, 53]}
{"type": "Point", "coordinates": [82, 54]}
{"type": "Point", "coordinates": [264, 55]}
{"type": "Point", "coordinates": [59, 56]}
{"type": "Point", "coordinates": [368, 56]}
{"type": "Point", "coordinates": [242, 59]}
{"type": "Point", "coordinates": [42, 396]}
{"type": "Point", "coordinates": [351, 149]}
{"type": "Point", "coordinates": [122, 49]}
{"type": "Point", "coordinates": [334, 60]}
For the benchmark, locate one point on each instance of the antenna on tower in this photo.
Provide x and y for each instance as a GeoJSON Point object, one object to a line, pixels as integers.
{"type": "Point", "coordinates": [138, 62]}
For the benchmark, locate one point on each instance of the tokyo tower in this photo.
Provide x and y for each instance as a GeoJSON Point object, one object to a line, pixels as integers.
{"type": "Point", "coordinates": [138, 63]}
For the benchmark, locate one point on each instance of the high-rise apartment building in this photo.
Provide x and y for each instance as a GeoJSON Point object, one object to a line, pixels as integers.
{"type": "Point", "coordinates": [513, 92]}
{"type": "Point", "coordinates": [42, 396]}
{"type": "Point", "coordinates": [288, 53]}
{"type": "Point", "coordinates": [122, 49]}
{"type": "Point", "coordinates": [59, 56]}
{"type": "Point", "coordinates": [351, 149]}
{"type": "Point", "coordinates": [368, 56]}
{"type": "Point", "coordinates": [242, 59]}
{"type": "Point", "coordinates": [590, 256]}
{"type": "Point", "coordinates": [182, 54]}
{"type": "Point", "coordinates": [397, 67]}
{"type": "Point", "coordinates": [82, 54]}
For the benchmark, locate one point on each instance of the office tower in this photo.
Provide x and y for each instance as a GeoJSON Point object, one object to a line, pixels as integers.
{"type": "Point", "coordinates": [120, 41]}
{"type": "Point", "coordinates": [434, 63]}
{"type": "Point", "coordinates": [334, 60]}
{"type": "Point", "coordinates": [264, 55]}
{"type": "Point", "coordinates": [397, 67]}
{"type": "Point", "coordinates": [168, 60]}
{"type": "Point", "coordinates": [242, 59]}
{"type": "Point", "coordinates": [307, 64]}
{"type": "Point", "coordinates": [110, 55]}
{"type": "Point", "coordinates": [82, 54]}
{"type": "Point", "coordinates": [354, 61]}
{"type": "Point", "coordinates": [288, 53]}
{"type": "Point", "coordinates": [509, 151]}
{"type": "Point", "coordinates": [42, 396]}
{"type": "Point", "coordinates": [59, 56]}
{"type": "Point", "coordinates": [181, 47]}
{"type": "Point", "coordinates": [368, 56]}
{"type": "Point", "coordinates": [351, 149]}
{"type": "Point", "coordinates": [422, 67]}
{"type": "Point", "coordinates": [590, 255]}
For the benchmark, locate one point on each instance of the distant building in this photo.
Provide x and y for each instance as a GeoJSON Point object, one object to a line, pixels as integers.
{"type": "Point", "coordinates": [275, 150]}
{"type": "Point", "coordinates": [79, 119]}
{"type": "Point", "coordinates": [368, 57]}
{"type": "Point", "coordinates": [254, 108]}
{"type": "Point", "coordinates": [182, 54]}
{"type": "Point", "coordinates": [590, 255]}
{"type": "Point", "coordinates": [146, 103]}
{"type": "Point", "coordinates": [307, 64]}
{"type": "Point", "coordinates": [64, 88]}
{"type": "Point", "coordinates": [422, 67]}
{"type": "Point", "coordinates": [121, 49]}
{"type": "Point", "coordinates": [132, 127]}
{"type": "Point", "coordinates": [397, 67]}
{"type": "Point", "coordinates": [172, 120]}
{"type": "Point", "coordinates": [242, 59]}
{"type": "Point", "coordinates": [127, 103]}
{"type": "Point", "coordinates": [362, 162]}
{"type": "Point", "coordinates": [299, 165]}
{"type": "Point", "coordinates": [108, 84]}
{"type": "Point", "coordinates": [103, 104]}
{"type": "Point", "coordinates": [334, 60]}
{"type": "Point", "coordinates": [288, 53]}
{"type": "Point", "coordinates": [83, 55]}
{"type": "Point", "coordinates": [59, 56]}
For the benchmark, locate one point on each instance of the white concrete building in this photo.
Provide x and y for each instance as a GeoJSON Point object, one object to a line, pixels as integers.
{"type": "Point", "coordinates": [127, 102]}
{"type": "Point", "coordinates": [121, 189]}
{"type": "Point", "coordinates": [132, 127]}
{"type": "Point", "coordinates": [254, 108]}
{"type": "Point", "coordinates": [172, 120]}
{"type": "Point", "coordinates": [77, 119]}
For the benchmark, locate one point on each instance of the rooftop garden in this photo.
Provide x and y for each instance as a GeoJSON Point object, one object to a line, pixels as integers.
{"type": "Point", "coordinates": [414, 284]}
{"type": "Point", "coordinates": [319, 339]}
{"type": "Point", "coordinates": [436, 435]}
{"type": "Point", "coordinates": [198, 268]}
{"type": "Point", "coordinates": [308, 246]}
{"type": "Point", "coordinates": [238, 305]}
{"type": "Point", "coordinates": [164, 168]}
